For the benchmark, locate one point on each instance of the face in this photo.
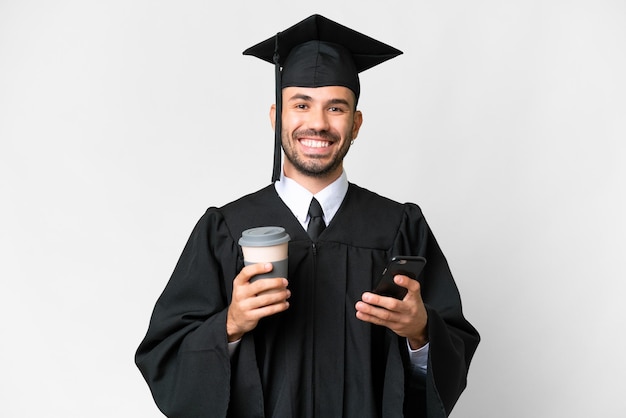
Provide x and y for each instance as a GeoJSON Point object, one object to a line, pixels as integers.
{"type": "Point", "coordinates": [318, 125]}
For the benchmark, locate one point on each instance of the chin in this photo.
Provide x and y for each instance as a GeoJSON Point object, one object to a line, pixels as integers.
{"type": "Point", "coordinates": [317, 171]}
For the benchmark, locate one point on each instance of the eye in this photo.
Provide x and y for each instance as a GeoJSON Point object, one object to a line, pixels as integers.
{"type": "Point", "coordinates": [335, 109]}
{"type": "Point", "coordinates": [301, 106]}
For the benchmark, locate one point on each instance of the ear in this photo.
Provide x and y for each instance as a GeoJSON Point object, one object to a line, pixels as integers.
{"type": "Point", "coordinates": [356, 124]}
{"type": "Point", "coordinates": [273, 116]}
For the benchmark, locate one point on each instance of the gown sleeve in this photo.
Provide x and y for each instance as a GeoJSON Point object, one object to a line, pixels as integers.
{"type": "Point", "coordinates": [184, 356]}
{"type": "Point", "coordinates": [453, 340]}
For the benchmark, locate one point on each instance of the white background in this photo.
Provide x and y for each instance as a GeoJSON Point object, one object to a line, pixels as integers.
{"type": "Point", "coordinates": [121, 121]}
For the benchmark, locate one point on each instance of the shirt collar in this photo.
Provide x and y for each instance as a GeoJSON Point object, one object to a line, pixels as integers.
{"type": "Point", "coordinates": [298, 199]}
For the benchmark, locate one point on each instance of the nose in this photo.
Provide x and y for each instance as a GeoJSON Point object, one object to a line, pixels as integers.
{"type": "Point", "coordinates": [318, 120]}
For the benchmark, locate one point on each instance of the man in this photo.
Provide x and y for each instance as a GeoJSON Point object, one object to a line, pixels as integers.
{"type": "Point", "coordinates": [320, 344]}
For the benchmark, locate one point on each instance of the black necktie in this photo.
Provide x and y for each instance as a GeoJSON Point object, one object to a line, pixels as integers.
{"type": "Point", "coordinates": [316, 224]}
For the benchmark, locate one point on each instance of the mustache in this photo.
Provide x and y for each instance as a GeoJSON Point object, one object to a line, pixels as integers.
{"type": "Point", "coordinates": [319, 134]}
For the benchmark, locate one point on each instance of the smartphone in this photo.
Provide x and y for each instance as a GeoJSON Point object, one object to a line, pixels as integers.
{"type": "Point", "coordinates": [410, 266]}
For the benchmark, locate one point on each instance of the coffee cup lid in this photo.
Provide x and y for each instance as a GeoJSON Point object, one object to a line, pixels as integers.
{"type": "Point", "coordinates": [263, 236]}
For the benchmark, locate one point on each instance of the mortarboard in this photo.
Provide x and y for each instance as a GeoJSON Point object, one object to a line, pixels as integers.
{"type": "Point", "coordinates": [318, 52]}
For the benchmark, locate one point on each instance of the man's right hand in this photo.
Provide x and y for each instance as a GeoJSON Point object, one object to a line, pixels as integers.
{"type": "Point", "coordinates": [256, 300]}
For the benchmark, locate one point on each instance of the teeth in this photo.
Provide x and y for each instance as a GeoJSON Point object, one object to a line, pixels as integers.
{"type": "Point", "coordinates": [315, 144]}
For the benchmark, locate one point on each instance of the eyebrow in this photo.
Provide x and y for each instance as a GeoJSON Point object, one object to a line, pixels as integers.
{"type": "Point", "coordinates": [300, 96]}
{"type": "Point", "coordinates": [339, 101]}
{"type": "Point", "coordinates": [307, 98]}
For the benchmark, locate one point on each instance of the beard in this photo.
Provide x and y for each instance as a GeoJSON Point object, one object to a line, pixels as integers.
{"type": "Point", "coordinates": [312, 165]}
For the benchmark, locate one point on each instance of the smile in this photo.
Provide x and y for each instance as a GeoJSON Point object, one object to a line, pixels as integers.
{"type": "Point", "coordinates": [312, 143]}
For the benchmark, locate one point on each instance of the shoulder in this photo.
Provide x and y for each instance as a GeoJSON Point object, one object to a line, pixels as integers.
{"type": "Point", "coordinates": [261, 208]}
{"type": "Point", "coordinates": [373, 202]}
{"type": "Point", "coordinates": [367, 219]}
{"type": "Point", "coordinates": [362, 195]}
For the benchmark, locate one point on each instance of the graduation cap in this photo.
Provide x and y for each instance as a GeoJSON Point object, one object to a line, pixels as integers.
{"type": "Point", "coordinates": [318, 52]}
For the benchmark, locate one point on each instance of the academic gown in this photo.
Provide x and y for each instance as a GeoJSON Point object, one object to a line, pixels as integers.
{"type": "Point", "coordinates": [316, 359]}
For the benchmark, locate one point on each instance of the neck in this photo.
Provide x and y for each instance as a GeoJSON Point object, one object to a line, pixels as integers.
{"type": "Point", "coordinates": [313, 184]}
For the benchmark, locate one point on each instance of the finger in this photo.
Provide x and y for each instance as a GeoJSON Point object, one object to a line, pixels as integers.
{"type": "Point", "coordinates": [269, 298]}
{"type": "Point", "coordinates": [271, 309]}
{"type": "Point", "coordinates": [375, 314]}
{"type": "Point", "coordinates": [267, 303]}
{"type": "Point", "coordinates": [387, 302]}
{"type": "Point", "coordinates": [277, 287]}
{"type": "Point", "coordinates": [404, 281]}
{"type": "Point", "coordinates": [252, 270]}
{"type": "Point", "coordinates": [414, 289]}
{"type": "Point", "coordinates": [268, 284]}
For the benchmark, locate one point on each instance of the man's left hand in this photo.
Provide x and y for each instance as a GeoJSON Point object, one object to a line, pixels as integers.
{"type": "Point", "coordinates": [406, 317]}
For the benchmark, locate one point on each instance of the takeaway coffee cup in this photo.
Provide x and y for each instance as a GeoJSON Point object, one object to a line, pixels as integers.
{"type": "Point", "coordinates": [266, 244]}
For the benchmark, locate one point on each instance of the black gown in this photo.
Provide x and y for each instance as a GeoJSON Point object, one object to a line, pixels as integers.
{"type": "Point", "coordinates": [316, 359]}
